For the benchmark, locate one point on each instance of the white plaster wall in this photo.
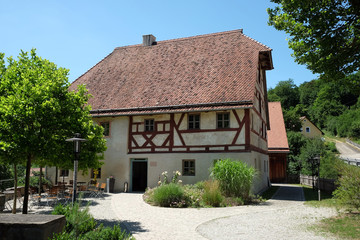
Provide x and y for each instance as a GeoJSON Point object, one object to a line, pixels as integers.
{"type": "Point", "coordinates": [117, 160]}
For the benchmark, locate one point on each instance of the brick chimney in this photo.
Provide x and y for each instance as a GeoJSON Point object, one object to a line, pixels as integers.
{"type": "Point", "coordinates": [149, 40]}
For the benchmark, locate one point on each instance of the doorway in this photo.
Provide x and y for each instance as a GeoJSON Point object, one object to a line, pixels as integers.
{"type": "Point", "coordinates": [139, 175]}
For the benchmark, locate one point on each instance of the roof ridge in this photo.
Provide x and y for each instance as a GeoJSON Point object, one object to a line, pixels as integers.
{"type": "Point", "coordinates": [257, 41]}
{"type": "Point", "coordinates": [200, 36]}
{"type": "Point", "coordinates": [187, 38]}
{"type": "Point", "coordinates": [92, 67]}
{"type": "Point", "coordinates": [205, 35]}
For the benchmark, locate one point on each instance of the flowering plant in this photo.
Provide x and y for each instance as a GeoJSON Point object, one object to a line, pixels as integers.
{"type": "Point", "coordinates": [165, 180]}
{"type": "Point", "coordinates": [175, 176]}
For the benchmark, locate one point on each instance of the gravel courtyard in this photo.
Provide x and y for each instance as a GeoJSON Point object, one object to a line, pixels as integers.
{"type": "Point", "coordinates": [283, 217]}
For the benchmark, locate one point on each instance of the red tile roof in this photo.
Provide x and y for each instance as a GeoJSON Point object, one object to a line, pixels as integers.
{"type": "Point", "coordinates": [277, 139]}
{"type": "Point", "coordinates": [196, 72]}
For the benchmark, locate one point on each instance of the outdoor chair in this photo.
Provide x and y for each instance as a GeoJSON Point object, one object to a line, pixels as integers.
{"type": "Point", "coordinates": [99, 191]}
{"type": "Point", "coordinates": [35, 199]}
{"type": "Point", "coordinates": [52, 196]}
{"type": "Point", "coordinates": [85, 190]}
{"type": "Point", "coordinates": [68, 195]}
{"type": "Point", "coordinates": [93, 190]}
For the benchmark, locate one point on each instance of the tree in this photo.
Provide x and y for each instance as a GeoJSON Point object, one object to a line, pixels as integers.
{"type": "Point", "coordinates": [286, 92]}
{"type": "Point", "coordinates": [324, 34]}
{"type": "Point", "coordinates": [312, 149]}
{"type": "Point", "coordinates": [37, 114]}
{"type": "Point", "coordinates": [308, 92]}
{"type": "Point", "coordinates": [296, 141]}
{"type": "Point", "coordinates": [292, 117]}
{"type": "Point", "coordinates": [327, 104]}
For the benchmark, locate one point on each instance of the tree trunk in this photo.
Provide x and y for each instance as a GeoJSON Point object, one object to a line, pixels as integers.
{"type": "Point", "coordinates": [27, 181]}
{"type": "Point", "coordinates": [56, 175]}
{"type": "Point", "coordinates": [15, 190]}
{"type": "Point", "coordinates": [40, 181]}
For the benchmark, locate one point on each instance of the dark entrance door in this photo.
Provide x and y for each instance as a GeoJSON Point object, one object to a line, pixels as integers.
{"type": "Point", "coordinates": [139, 175]}
{"type": "Point", "coordinates": [277, 167]}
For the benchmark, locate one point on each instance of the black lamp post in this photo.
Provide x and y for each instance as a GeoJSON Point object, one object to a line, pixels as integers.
{"type": "Point", "coordinates": [76, 139]}
{"type": "Point", "coordinates": [317, 161]}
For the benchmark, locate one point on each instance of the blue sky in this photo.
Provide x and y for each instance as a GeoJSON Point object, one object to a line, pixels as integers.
{"type": "Point", "coordinates": [78, 34]}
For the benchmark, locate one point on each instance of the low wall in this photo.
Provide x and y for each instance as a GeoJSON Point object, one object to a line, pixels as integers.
{"type": "Point", "coordinates": [327, 185]}
{"type": "Point", "coordinates": [30, 226]}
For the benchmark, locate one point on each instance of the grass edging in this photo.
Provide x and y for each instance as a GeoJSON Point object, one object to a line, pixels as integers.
{"type": "Point", "coordinates": [344, 226]}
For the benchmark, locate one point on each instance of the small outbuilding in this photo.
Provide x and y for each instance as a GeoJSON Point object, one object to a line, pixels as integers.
{"type": "Point", "coordinates": [278, 146]}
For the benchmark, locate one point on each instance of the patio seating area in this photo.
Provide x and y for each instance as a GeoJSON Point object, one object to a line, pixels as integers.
{"type": "Point", "coordinates": [50, 197]}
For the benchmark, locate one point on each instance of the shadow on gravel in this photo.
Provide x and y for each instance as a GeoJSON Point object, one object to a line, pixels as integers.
{"type": "Point", "coordinates": [289, 193]}
{"type": "Point", "coordinates": [133, 227]}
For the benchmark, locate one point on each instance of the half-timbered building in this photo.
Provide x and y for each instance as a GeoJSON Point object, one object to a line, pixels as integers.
{"type": "Point", "coordinates": [179, 105]}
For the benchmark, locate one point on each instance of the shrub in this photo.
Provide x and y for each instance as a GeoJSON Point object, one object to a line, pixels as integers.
{"type": "Point", "coordinates": [77, 221]}
{"type": "Point", "coordinates": [81, 225]}
{"type": "Point", "coordinates": [200, 185]}
{"type": "Point", "coordinates": [168, 195]}
{"type": "Point", "coordinates": [212, 194]}
{"type": "Point", "coordinates": [331, 146]}
{"type": "Point", "coordinates": [329, 166]}
{"type": "Point", "coordinates": [102, 233]}
{"type": "Point", "coordinates": [193, 195]}
{"type": "Point", "coordinates": [107, 233]}
{"type": "Point", "coordinates": [348, 191]}
{"type": "Point", "coordinates": [235, 177]}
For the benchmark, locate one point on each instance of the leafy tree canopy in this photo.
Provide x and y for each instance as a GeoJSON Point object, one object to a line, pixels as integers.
{"type": "Point", "coordinates": [324, 34]}
{"type": "Point", "coordinates": [37, 114]}
{"type": "Point", "coordinates": [285, 92]}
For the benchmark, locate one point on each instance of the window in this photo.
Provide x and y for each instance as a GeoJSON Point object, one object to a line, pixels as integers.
{"type": "Point", "coordinates": [149, 125]}
{"type": "Point", "coordinates": [106, 126]}
{"type": "Point", "coordinates": [194, 121]}
{"type": "Point", "coordinates": [260, 104]}
{"type": "Point", "coordinates": [223, 120]}
{"type": "Point", "coordinates": [307, 129]}
{"type": "Point", "coordinates": [64, 173]}
{"type": "Point", "coordinates": [97, 172]}
{"type": "Point", "coordinates": [188, 167]}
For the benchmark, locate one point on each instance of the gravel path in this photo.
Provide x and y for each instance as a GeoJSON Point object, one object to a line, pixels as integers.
{"type": "Point", "coordinates": [275, 219]}
{"type": "Point", "coordinates": [282, 220]}
{"type": "Point", "coordinates": [283, 217]}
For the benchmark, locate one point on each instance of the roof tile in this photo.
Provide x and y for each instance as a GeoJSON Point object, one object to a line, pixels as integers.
{"type": "Point", "coordinates": [205, 69]}
{"type": "Point", "coordinates": [277, 139]}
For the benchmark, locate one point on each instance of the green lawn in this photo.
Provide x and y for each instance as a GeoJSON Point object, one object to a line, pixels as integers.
{"type": "Point", "coordinates": [343, 226]}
